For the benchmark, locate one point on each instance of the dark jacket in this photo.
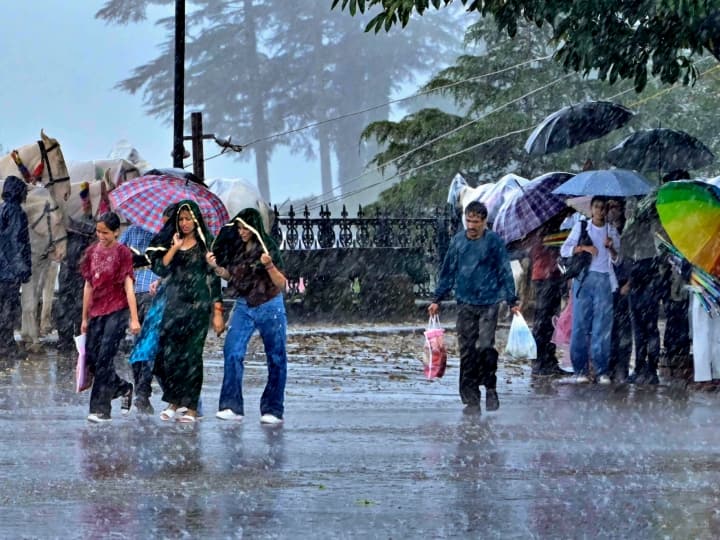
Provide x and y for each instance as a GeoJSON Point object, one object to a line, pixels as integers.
{"type": "Point", "coordinates": [15, 265]}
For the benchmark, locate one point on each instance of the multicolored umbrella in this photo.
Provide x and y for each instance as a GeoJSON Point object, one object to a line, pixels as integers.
{"type": "Point", "coordinates": [690, 214]}
{"type": "Point", "coordinates": [531, 207]}
{"type": "Point", "coordinates": [142, 201]}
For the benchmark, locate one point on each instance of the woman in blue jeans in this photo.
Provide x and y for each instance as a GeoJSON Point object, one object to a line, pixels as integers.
{"type": "Point", "coordinates": [249, 259]}
{"type": "Point", "coordinates": [592, 290]}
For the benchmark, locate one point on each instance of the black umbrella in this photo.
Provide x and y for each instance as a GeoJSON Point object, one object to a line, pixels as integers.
{"type": "Point", "coordinates": [661, 150]}
{"type": "Point", "coordinates": [575, 125]}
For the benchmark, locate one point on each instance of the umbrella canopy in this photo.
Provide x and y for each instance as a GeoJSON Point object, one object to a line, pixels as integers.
{"type": "Point", "coordinates": [661, 150]}
{"type": "Point", "coordinates": [606, 183]}
{"type": "Point", "coordinates": [500, 192]}
{"type": "Point", "coordinates": [690, 214]}
{"type": "Point", "coordinates": [576, 124]}
{"type": "Point", "coordinates": [530, 208]}
{"type": "Point", "coordinates": [142, 201]}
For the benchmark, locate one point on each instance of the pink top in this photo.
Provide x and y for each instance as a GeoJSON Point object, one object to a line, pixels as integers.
{"type": "Point", "coordinates": [106, 269]}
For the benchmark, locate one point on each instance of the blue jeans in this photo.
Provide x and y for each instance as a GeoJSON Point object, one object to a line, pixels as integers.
{"type": "Point", "coordinates": [592, 323]}
{"type": "Point", "coordinates": [271, 321]}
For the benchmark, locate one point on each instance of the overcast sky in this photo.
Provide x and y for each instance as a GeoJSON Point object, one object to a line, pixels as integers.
{"type": "Point", "coordinates": [60, 66]}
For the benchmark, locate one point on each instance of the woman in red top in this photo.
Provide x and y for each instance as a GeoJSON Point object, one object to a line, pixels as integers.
{"type": "Point", "coordinates": [107, 297]}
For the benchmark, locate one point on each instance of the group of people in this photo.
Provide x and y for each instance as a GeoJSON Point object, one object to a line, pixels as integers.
{"type": "Point", "coordinates": [615, 299]}
{"type": "Point", "coordinates": [166, 291]}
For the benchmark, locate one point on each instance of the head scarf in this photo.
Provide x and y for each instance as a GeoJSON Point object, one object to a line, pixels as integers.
{"type": "Point", "coordinates": [228, 242]}
{"type": "Point", "coordinates": [161, 242]}
{"type": "Point", "coordinates": [14, 190]}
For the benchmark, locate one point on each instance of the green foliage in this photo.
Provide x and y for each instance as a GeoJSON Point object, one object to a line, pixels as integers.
{"type": "Point", "coordinates": [417, 147]}
{"type": "Point", "coordinates": [621, 40]}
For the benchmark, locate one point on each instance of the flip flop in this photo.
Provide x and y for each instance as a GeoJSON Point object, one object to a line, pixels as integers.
{"type": "Point", "coordinates": [167, 414]}
{"type": "Point", "coordinates": [187, 419]}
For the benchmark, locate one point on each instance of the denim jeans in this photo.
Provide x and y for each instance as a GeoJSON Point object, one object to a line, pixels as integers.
{"type": "Point", "coordinates": [271, 322]}
{"type": "Point", "coordinates": [592, 323]}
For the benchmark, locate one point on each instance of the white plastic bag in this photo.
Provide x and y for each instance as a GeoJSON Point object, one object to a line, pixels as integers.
{"type": "Point", "coordinates": [521, 343]}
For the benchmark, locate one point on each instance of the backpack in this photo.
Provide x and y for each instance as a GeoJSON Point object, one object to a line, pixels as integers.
{"type": "Point", "coordinates": [577, 264]}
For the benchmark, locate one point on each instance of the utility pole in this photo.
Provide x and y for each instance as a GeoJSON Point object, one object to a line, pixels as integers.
{"type": "Point", "coordinates": [179, 95]}
{"type": "Point", "coordinates": [197, 136]}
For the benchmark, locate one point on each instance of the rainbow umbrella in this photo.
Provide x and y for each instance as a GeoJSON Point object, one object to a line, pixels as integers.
{"type": "Point", "coordinates": [690, 214]}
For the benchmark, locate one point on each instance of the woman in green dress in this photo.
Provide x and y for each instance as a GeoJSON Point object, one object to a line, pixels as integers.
{"type": "Point", "coordinates": [192, 290]}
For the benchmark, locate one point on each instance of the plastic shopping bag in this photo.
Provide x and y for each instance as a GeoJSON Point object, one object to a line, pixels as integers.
{"type": "Point", "coordinates": [83, 377]}
{"type": "Point", "coordinates": [521, 343]}
{"type": "Point", "coordinates": [435, 352]}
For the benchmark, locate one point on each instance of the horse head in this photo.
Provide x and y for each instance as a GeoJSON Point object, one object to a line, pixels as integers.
{"type": "Point", "coordinates": [46, 225]}
{"type": "Point", "coordinates": [41, 164]}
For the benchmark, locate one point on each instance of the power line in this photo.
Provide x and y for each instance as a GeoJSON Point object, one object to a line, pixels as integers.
{"type": "Point", "coordinates": [440, 137]}
{"type": "Point", "coordinates": [392, 102]}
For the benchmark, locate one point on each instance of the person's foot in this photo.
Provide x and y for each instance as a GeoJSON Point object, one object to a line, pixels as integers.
{"type": "Point", "coordinates": [471, 409]}
{"type": "Point", "coordinates": [270, 420]}
{"type": "Point", "coordinates": [228, 414]}
{"type": "Point", "coordinates": [143, 405]}
{"type": "Point", "coordinates": [581, 379]}
{"type": "Point", "coordinates": [99, 418]}
{"type": "Point", "coordinates": [492, 402]}
{"type": "Point", "coordinates": [552, 371]}
{"type": "Point", "coordinates": [126, 399]}
{"type": "Point", "coordinates": [604, 380]}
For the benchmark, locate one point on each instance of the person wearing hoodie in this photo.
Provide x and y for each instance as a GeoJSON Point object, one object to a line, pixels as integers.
{"type": "Point", "coordinates": [249, 259]}
{"type": "Point", "coordinates": [191, 291]}
{"type": "Point", "coordinates": [15, 258]}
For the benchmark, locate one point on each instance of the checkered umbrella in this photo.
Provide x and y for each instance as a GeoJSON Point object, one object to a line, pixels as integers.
{"type": "Point", "coordinates": [531, 207]}
{"type": "Point", "coordinates": [142, 201]}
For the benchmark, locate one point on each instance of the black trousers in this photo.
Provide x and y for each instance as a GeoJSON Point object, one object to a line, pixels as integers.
{"type": "Point", "coordinates": [548, 298]}
{"type": "Point", "coordinates": [676, 338]}
{"type": "Point", "coordinates": [9, 310]}
{"type": "Point", "coordinates": [645, 309]}
{"type": "Point", "coordinates": [621, 340]}
{"type": "Point", "coordinates": [476, 327]}
{"type": "Point", "coordinates": [102, 342]}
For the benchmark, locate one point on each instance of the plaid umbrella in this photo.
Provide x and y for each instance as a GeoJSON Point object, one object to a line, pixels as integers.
{"type": "Point", "coordinates": [531, 207]}
{"type": "Point", "coordinates": [142, 201]}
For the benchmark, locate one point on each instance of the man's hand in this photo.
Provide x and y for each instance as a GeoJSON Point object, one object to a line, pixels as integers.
{"type": "Point", "coordinates": [515, 310]}
{"type": "Point", "coordinates": [433, 309]}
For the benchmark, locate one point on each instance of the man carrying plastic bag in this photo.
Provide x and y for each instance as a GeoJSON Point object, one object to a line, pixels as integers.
{"type": "Point", "coordinates": [478, 267]}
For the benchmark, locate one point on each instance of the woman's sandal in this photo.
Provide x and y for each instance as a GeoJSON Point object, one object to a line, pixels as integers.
{"type": "Point", "coordinates": [187, 419]}
{"type": "Point", "coordinates": [167, 414]}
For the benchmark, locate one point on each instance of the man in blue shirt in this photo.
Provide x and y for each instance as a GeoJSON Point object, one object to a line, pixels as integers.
{"type": "Point", "coordinates": [478, 267]}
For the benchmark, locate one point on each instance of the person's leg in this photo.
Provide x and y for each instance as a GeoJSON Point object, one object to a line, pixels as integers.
{"type": "Point", "coordinates": [548, 297]}
{"type": "Point", "coordinates": [602, 321]}
{"type": "Point", "coordinates": [582, 316]}
{"type": "Point", "coordinates": [9, 304]}
{"type": "Point", "coordinates": [467, 334]}
{"type": "Point", "coordinates": [487, 325]}
{"type": "Point", "coordinates": [108, 330]}
{"type": "Point", "coordinates": [241, 328]}
{"type": "Point", "coordinates": [271, 321]}
{"type": "Point", "coordinates": [621, 338]}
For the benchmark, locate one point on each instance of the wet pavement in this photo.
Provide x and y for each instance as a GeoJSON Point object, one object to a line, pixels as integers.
{"type": "Point", "coordinates": [369, 449]}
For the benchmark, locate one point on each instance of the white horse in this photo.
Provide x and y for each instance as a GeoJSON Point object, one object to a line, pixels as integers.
{"type": "Point", "coordinates": [493, 195]}
{"type": "Point", "coordinates": [238, 194]}
{"type": "Point", "coordinates": [43, 164]}
{"type": "Point", "coordinates": [102, 176]}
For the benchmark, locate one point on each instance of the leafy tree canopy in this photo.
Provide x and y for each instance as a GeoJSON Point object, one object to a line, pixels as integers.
{"type": "Point", "coordinates": [621, 40]}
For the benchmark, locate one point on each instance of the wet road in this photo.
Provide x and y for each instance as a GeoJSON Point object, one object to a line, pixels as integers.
{"type": "Point", "coordinates": [369, 450]}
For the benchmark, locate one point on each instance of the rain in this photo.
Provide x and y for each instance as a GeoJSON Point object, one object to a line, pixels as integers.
{"type": "Point", "coordinates": [483, 304]}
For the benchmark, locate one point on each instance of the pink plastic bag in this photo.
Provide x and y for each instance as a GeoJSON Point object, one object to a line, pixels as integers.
{"type": "Point", "coordinates": [83, 377]}
{"type": "Point", "coordinates": [563, 332]}
{"type": "Point", "coordinates": [435, 352]}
